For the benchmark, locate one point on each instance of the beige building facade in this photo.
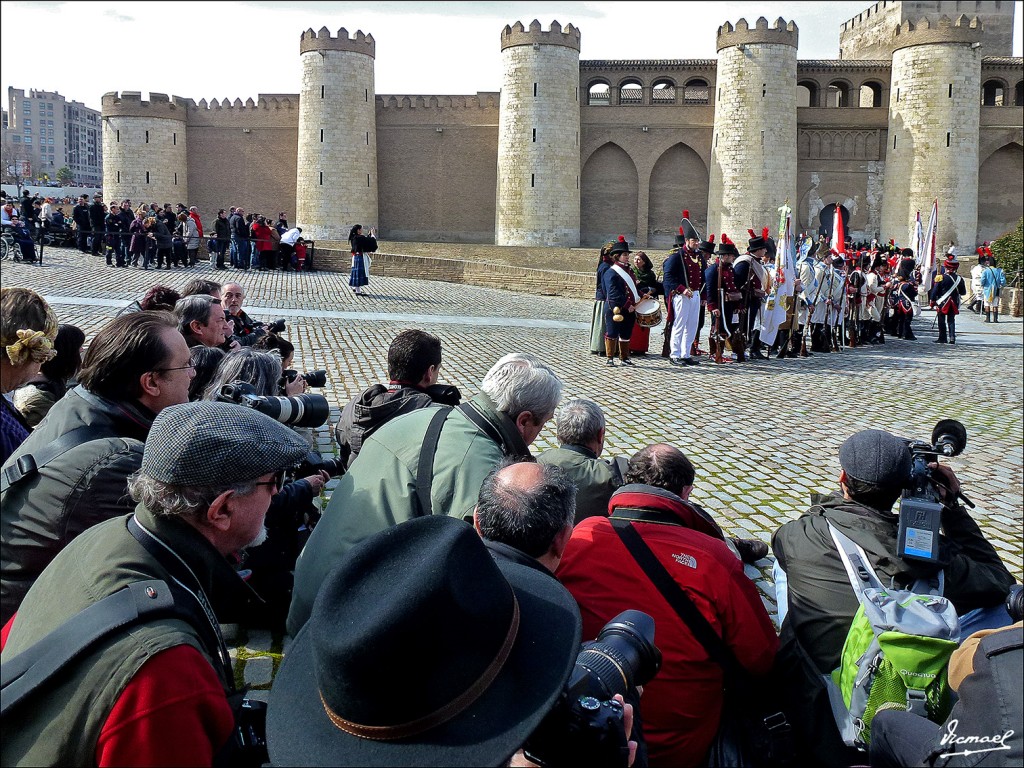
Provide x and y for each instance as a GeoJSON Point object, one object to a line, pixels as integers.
{"type": "Point", "coordinates": [605, 148]}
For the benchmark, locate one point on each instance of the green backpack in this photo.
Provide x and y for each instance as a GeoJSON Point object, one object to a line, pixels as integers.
{"type": "Point", "coordinates": [896, 652]}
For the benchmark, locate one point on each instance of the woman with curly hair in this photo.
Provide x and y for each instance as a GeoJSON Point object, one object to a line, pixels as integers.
{"type": "Point", "coordinates": [38, 395]}
{"type": "Point", "coordinates": [27, 330]}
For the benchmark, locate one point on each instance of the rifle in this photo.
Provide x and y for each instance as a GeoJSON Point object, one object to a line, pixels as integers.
{"type": "Point", "coordinates": [716, 339]}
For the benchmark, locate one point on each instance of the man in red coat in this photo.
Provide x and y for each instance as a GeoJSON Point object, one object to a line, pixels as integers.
{"type": "Point", "coordinates": [681, 706]}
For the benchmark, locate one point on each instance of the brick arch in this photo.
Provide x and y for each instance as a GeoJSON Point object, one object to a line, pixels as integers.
{"type": "Point", "coordinates": [631, 90]}
{"type": "Point", "coordinates": [877, 91]}
{"type": "Point", "coordinates": [1000, 197]}
{"type": "Point", "coordinates": [989, 90]}
{"type": "Point", "coordinates": [845, 88]}
{"type": "Point", "coordinates": [609, 191]}
{"type": "Point", "coordinates": [600, 101]}
{"type": "Point", "coordinates": [813, 91]}
{"type": "Point", "coordinates": [1018, 94]}
{"type": "Point", "coordinates": [679, 180]}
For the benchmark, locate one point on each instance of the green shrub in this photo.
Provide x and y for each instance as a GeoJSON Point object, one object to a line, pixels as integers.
{"type": "Point", "coordinates": [1009, 251]}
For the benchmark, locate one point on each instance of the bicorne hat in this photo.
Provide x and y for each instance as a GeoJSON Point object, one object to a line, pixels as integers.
{"type": "Point", "coordinates": [707, 246]}
{"type": "Point", "coordinates": [687, 230]}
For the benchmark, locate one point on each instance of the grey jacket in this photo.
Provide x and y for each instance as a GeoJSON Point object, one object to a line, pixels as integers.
{"type": "Point", "coordinates": [595, 479]}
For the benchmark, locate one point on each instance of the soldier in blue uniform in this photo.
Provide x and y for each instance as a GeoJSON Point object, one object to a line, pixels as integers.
{"type": "Point", "coordinates": [621, 298]}
{"type": "Point", "coordinates": [944, 298]}
{"type": "Point", "coordinates": [724, 300]}
{"type": "Point", "coordinates": [684, 281]}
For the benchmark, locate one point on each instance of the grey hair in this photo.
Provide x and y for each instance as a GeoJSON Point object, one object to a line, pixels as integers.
{"type": "Point", "coordinates": [523, 382]}
{"type": "Point", "coordinates": [528, 519]}
{"type": "Point", "coordinates": [579, 422]}
{"type": "Point", "coordinates": [190, 308]}
{"type": "Point", "coordinates": [167, 500]}
{"type": "Point", "coordinates": [259, 367]}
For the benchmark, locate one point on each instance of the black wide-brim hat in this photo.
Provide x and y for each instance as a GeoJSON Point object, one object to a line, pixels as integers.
{"type": "Point", "coordinates": [405, 625]}
{"type": "Point", "coordinates": [621, 246]}
{"type": "Point", "coordinates": [728, 249]}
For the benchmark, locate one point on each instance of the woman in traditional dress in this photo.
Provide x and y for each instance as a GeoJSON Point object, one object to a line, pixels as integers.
{"type": "Point", "coordinates": [597, 321]}
{"type": "Point", "coordinates": [361, 246]}
{"type": "Point", "coordinates": [649, 286]}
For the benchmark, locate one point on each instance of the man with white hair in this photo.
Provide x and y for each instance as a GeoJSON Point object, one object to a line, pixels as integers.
{"type": "Point", "coordinates": [430, 461]}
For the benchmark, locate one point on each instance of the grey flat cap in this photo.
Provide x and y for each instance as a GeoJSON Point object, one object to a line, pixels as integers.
{"type": "Point", "coordinates": [209, 443]}
{"type": "Point", "coordinates": [875, 456]}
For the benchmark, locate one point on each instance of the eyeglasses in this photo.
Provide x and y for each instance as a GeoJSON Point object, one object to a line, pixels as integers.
{"type": "Point", "coordinates": [276, 482]}
{"type": "Point", "coordinates": [176, 368]}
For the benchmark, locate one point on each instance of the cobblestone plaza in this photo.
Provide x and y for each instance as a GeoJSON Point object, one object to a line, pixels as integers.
{"type": "Point", "coordinates": [762, 435]}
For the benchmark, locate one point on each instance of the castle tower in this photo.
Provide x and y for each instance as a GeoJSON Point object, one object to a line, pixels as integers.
{"type": "Point", "coordinates": [934, 117]}
{"type": "Point", "coordinates": [538, 198]}
{"type": "Point", "coordinates": [145, 152]}
{"type": "Point", "coordinates": [753, 157]}
{"type": "Point", "coordinates": [336, 185]}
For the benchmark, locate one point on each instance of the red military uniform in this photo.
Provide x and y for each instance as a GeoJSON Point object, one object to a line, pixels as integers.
{"type": "Point", "coordinates": [681, 706]}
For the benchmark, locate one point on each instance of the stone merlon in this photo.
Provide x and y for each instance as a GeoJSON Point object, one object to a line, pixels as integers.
{"type": "Point", "coordinates": [933, 31]}
{"type": "Point", "coordinates": [324, 41]}
{"type": "Point", "coordinates": [519, 35]}
{"type": "Point", "coordinates": [781, 33]}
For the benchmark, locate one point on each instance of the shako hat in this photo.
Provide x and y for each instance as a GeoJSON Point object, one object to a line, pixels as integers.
{"type": "Point", "coordinates": [686, 229]}
{"type": "Point", "coordinates": [707, 246]}
{"type": "Point", "coordinates": [621, 246]}
{"type": "Point", "coordinates": [421, 649]}
{"type": "Point", "coordinates": [757, 242]}
{"type": "Point", "coordinates": [727, 247]}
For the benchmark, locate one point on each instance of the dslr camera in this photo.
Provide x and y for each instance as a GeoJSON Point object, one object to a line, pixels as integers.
{"type": "Point", "coordinates": [312, 378]}
{"type": "Point", "coordinates": [586, 726]}
{"type": "Point", "coordinates": [921, 503]}
{"type": "Point", "coordinates": [275, 327]}
{"type": "Point", "coordinates": [304, 410]}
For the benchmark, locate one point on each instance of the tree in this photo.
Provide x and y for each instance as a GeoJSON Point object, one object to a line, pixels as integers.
{"type": "Point", "coordinates": [65, 176]}
{"type": "Point", "coordinates": [15, 167]}
{"type": "Point", "coordinates": [1009, 250]}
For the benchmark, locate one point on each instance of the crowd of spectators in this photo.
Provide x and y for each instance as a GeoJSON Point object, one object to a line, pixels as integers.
{"type": "Point", "coordinates": [436, 604]}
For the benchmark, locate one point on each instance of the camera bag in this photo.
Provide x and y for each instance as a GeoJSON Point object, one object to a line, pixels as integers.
{"type": "Point", "coordinates": [896, 652]}
{"type": "Point", "coordinates": [752, 732]}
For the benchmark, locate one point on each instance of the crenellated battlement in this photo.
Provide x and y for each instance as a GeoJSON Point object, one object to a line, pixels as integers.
{"type": "Point", "coordinates": [517, 34]}
{"type": "Point", "coordinates": [131, 104]}
{"type": "Point", "coordinates": [479, 101]}
{"type": "Point", "coordinates": [325, 41]}
{"type": "Point", "coordinates": [288, 102]}
{"type": "Point", "coordinates": [930, 31]}
{"type": "Point", "coordinates": [780, 33]}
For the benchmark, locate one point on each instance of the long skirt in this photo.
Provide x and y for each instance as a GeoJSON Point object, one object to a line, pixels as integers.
{"type": "Point", "coordinates": [597, 329]}
{"type": "Point", "coordinates": [639, 340]}
{"type": "Point", "coordinates": [358, 278]}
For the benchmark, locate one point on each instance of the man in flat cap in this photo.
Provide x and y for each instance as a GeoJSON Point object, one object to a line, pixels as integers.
{"type": "Point", "coordinates": [152, 690]}
{"type": "Point", "coordinates": [815, 599]}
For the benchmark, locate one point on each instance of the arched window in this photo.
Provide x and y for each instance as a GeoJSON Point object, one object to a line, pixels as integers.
{"type": "Point", "coordinates": [993, 93]}
{"type": "Point", "coordinates": [1018, 96]}
{"type": "Point", "coordinates": [663, 92]}
{"type": "Point", "coordinates": [598, 95]}
{"type": "Point", "coordinates": [696, 91]}
{"type": "Point", "coordinates": [807, 93]}
{"type": "Point", "coordinates": [631, 92]}
{"type": "Point", "coordinates": [838, 95]}
{"type": "Point", "coordinates": [871, 95]}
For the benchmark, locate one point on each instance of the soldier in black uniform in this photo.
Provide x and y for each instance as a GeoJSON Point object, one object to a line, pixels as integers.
{"type": "Point", "coordinates": [620, 302]}
{"type": "Point", "coordinates": [750, 280]}
{"type": "Point", "coordinates": [724, 300]}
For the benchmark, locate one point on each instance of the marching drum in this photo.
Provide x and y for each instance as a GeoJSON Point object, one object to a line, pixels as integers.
{"type": "Point", "coordinates": [648, 313]}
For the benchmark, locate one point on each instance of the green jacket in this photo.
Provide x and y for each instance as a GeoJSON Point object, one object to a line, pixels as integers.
{"type": "Point", "coordinates": [85, 486]}
{"type": "Point", "coordinates": [595, 479]}
{"type": "Point", "coordinates": [822, 604]}
{"type": "Point", "coordinates": [379, 489]}
{"type": "Point", "coordinates": [60, 723]}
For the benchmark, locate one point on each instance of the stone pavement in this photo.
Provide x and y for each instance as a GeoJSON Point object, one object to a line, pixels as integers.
{"type": "Point", "coordinates": [761, 435]}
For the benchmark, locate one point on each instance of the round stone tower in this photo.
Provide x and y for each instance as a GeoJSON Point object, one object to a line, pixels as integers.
{"type": "Point", "coordinates": [934, 115]}
{"type": "Point", "coordinates": [753, 156]}
{"type": "Point", "coordinates": [145, 152]}
{"type": "Point", "coordinates": [336, 184]}
{"type": "Point", "coordinates": [538, 198]}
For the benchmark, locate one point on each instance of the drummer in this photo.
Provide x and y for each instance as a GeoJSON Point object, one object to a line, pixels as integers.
{"type": "Point", "coordinates": [621, 298]}
{"type": "Point", "coordinates": [649, 286]}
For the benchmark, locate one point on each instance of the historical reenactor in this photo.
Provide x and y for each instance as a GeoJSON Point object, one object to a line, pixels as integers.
{"type": "Point", "coordinates": [904, 295]}
{"type": "Point", "coordinates": [816, 290]}
{"type": "Point", "coordinates": [725, 302]}
{"type": "Point", "coordinates": [993, 280]}
{"type": "Point", "coordinates": [837, 311]}
{"type": "Point", "coordinates": [944, 298]}
{"type": "Point", "coordinates": [604, 262]}
{"type": "Point", "coordinates": [705, 251]}
{"type": "Point", "coordinates": [855, 282]}
{"type": "Point", "coordinates": [621, 298]}
{"type": "Point", "coordinates": [684, 281]}
{"type": "Point", "coordinates": [877, 285]}
{"type": "Point", "coordinates": [752, 281]}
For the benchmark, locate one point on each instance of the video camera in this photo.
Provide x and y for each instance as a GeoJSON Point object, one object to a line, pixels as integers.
{"type": "Point", "coordinates": [921, 503]}
{"type": "Point", "coordinates": [304, 410]}
{"type": "Point", "coordinates": [586, 726]}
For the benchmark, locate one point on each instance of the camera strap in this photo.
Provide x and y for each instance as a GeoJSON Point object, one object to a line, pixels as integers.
{"type": "Point", "coordinates": [28, 465]}
{"type": "Point", "coordinates": [425, 467]}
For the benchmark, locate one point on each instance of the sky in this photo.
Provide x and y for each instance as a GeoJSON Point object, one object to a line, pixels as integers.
{"type": "Point", "coordinates": [241, 49]}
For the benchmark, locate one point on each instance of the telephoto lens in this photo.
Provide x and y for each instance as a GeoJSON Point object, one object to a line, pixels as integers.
{"type": "Point", "coordinates": [304, 410]}
{"type": "Point", "coordinates": [315, 378]}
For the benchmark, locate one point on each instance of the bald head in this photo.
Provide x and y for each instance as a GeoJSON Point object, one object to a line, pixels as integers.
{"type": "Point", "coordinates": [527, 506]}
{"type": "Point", "coordinates": [232, 295]}
{"type": "Point", "coordinates": [662, 466]}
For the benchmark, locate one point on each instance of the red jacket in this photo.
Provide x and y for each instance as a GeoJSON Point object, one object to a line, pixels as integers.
{"type": "Point", "coordinates": [681, 706]}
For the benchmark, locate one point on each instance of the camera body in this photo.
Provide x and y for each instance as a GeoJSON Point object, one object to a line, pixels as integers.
{"type": "Point", "coordinates": [586, 725]}
{"type": "Point", "coordinates": [304, 410]}
{"type": "Point", "coordinates": [275, 327]}
{"type": "Point", "coordinates": [312, 378]}
{"type": "Point", "coordinates": [921, 504]}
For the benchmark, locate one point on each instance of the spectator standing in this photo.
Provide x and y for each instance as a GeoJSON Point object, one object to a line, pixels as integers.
{"type": "Point", "coordinates": [27, 329]}
{"type": "Point", "coordinates": [266, 245]}
{"type": "Point", "coordinates": [138, 242]}
{"type": "Point", "coordinates": [163, 240]}
{"type": "Point", "coordinates": [193, 213]}
{"type": "Point", "coordinates": [35, 399]}
{"type": "Point", "coordinates": [362, 247]}
{"type": "Point", "coordinates": [222, 235]}
{"type": "Point", "coordinates": [80, 216]}
{"type": "Point", "coordinates": [240, 239]}
{"type": "Point", "coordinates": [156, 692]}
{"type": "Point", "coordinates": [116, 229]}
{"type": "Point", "coordinates": [135, 366]}
{"type": "Point", "coordinates": [97, 223]}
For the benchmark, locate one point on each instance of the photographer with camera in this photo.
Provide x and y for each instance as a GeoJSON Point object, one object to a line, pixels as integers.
{"type": "Point", "coordinates": [650, 515]}
{"type": "Point", "coordinates": [423, 650]}
{"type": "Point", "coordinates": [118, 640]}
{"type": "Point", "coordinates": [816, 601]}
{"type": "Point", "coordinates": [270, 564]}
{"type": "Point", "coordinates": [414, 364]}
{"type": "Point", "coordinates": [246, 330]}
